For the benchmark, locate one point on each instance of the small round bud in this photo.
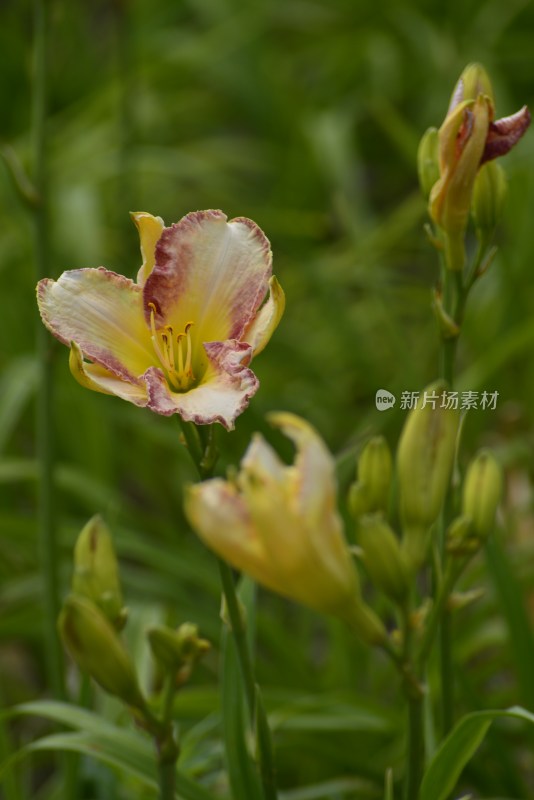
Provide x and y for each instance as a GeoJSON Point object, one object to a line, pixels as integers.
{"type": "Point", "coordinates": [460, 537]}
{"type": "Point", "coordinates": [427, 161]}
{"type": "Point", "coordinates": [482, 492]}
{"type": "Point", "coordinates": [96, 648]}
{"type": "Point", "coordinates": [175, 649]}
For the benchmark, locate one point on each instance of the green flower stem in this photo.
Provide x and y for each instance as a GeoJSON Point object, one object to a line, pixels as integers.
{"type": "Point", "coordinates": [167, 779]}
{"type": "Point", "coordinates": [237, 626]}
{"type": "Point", "coordinates": [44, 428]}
{"type": "Point", "coordinates": [265, 749]}
{"type": "Point", "coordinates": [452, 573]}
{"type": "Point", "coordinates": [202, 449]}
{"type": "Point", "coordinates": [161, 730]}
{"type": "Point", "coordinates": [416, 748]}
{"type": "Point", "coordinates": [412, 684]}
{"type": "Point", "coordinates": [454, 296]}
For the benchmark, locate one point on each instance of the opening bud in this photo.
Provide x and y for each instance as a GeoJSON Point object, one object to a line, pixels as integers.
{"type": "Point", "coordinates": [462, 139]}
{"type": "Point", "coordinates": [97, 649]}
{"type": "Point", "coordinates": [96, 571]}
{"type": "Point", "coordinates": [473, 81]}
{"type": "Point", "coordinates": [482, 493]}
{"type": "Point", "coordinates": [383, 558]}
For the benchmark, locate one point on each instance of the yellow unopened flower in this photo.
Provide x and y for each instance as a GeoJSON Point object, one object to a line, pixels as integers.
{"type": "Point", "coordinates": [467, 139]}
{"type": "Point", "coordinates": [280, 525]}
{"type": "Point", "coordinates": [180, 339]}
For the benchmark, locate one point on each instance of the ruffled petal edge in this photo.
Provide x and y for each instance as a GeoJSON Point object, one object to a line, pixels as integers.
{"type": "Point", "coordinates": [224, 393]}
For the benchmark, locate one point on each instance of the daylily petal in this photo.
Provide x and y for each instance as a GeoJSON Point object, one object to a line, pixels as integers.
{"type": "Point", "coordinates": [223, 394]}
{"type": "Point", "coordinates": [314, 497]}
{"type": "Point", "coordinates": [103, 313]}
{"type": "Point", "coordinates": [262, 463]}
{"type": "Point", "coordinates": [504, 133]}
{"type": "Point", "coordinates": [150, 229]}
{"type": "Point", "coordinates": [209, 271]}
{"type": "Point", "coordinates": [220, 516]}
{"type": "Point", "coordinates": [99, 379]}
{"type": "Point", "coordinates": [264, 324]}
{"type": "Point", "coordinates": [314, 466]}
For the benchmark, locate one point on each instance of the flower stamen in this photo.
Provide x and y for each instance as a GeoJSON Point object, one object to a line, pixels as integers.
{"type": "Point", "coordinates": [178, 369]}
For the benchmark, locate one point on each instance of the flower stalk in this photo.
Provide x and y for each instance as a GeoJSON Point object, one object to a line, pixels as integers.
{"type": "Point", "coordinates": [44, 411]}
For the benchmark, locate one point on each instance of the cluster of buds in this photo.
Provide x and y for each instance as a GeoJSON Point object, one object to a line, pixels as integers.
{"type": "Point", "coordinates": [456, 165]}
{"type": "Point", "coordinates": [425, 465]}
{"type": "Point", "coordinates": [93, 616]}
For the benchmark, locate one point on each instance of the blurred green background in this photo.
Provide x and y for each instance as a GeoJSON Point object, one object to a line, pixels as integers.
{"type": "Point", "coordinates": [304, 115]}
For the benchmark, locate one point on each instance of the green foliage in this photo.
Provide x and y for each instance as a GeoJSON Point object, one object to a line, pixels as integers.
{"type": "Point", "coordinates": [304, 115]}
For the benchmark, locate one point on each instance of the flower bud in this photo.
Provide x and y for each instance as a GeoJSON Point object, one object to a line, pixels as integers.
{"type": "Point", "coordinates": [489, 194]}
{"type": "Point", "coordinates": [177, 648]}
{"type": "Point", "coordinates": [427, 161]}
{"type": "Point", "coordinates": [96, 571]}
{"type": "Point", "coordinates": [425, 458]}
{"type": "Point", "coordinates": [482, 492]}
{"type": "Point", "coordinates": [462, 140]}
{"type": "Point", "coordinates": [96, 648]}
{"type": "Point", "coordinates": [473, 81]}
{"type": "Point", "coordinates": [375, 469]}
{"type": "Point", "coordinates": [358, 500]}
{"type": "Point", "coordinates": [460, 537]}
{"type": "Point", "coordinates": [361, 618]}
{"type": "Point", "coordinates": [382, 557]}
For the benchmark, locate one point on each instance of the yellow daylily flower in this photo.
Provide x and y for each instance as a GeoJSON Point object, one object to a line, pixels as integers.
{"type": "Point", "coordinates": [180, 339]}
{"type": "Point", "coordinates": [280, 525]}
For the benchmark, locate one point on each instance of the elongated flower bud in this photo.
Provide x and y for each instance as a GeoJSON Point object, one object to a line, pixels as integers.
{"type": "Point", "coordinates": [97, 649]}
{"type": "Point", "coordinates": [382, 557]}
{"type": "Point", "coordinates": [96, 571]}
{"type": "Point", "coordinates": [489, 194]}
{"type": "Point", "coordinates": [482, 492]}
{"type": "Point", "coordinates": [375, 468]}
{"type": "Point", "coordinates": [462, 139]}
{"type": "Point", "coordinates": [425, 458]}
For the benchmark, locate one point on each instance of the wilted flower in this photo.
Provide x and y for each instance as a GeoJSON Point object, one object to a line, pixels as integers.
{"type": "Point", "coordinates": [280, 525]}
{"type": "Point", "coordinates": [179, 341]}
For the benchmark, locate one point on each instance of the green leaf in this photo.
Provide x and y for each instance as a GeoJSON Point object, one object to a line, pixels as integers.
{"type": "Point", "coordinates": [241, 771]}
{"type": "Point", "coordinates": [125, 750]}
{"type": "Point", "coordinates": [512, 604]}
{"type": "Point", "coordinates": [447, 764]}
